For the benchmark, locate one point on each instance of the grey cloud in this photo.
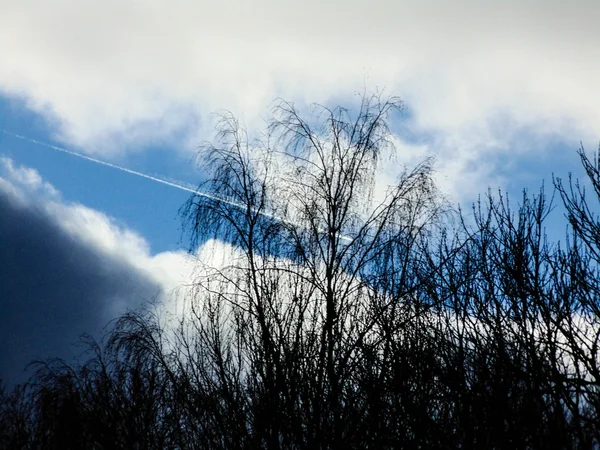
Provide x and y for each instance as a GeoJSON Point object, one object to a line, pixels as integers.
{"type": "Point", "coordinates": [53, 287]}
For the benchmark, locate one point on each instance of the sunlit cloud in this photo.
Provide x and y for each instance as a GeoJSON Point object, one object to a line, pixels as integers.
{"type": "Point", "coordinates": [116, 76]}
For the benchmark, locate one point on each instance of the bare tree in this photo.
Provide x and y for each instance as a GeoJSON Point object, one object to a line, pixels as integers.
{"type": "Point", "coordinates": [344, 312]}
{"type": "Point", "coordinates": [325, 263]}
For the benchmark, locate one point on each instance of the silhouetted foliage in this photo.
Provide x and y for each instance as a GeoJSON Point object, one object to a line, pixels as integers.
{"type": "Point", "coordinates": [345, 315]}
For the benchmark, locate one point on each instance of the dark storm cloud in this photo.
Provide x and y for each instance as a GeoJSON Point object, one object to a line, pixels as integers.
{"type": "Point", "coordinates": [53, 288]}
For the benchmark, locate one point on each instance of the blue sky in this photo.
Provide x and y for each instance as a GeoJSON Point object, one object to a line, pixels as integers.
{"type": "Point", "coordinates": [500, 93]}
{"type": "Point", "coordinates": [139, 204]}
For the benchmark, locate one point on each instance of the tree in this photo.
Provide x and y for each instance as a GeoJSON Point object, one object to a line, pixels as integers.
{"type": "Point", "coordinates": [344, 314]}
{"type": "Point", "coordinates": [325, 269]}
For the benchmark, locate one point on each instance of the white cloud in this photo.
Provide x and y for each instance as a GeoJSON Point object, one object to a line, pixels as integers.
{"type": "Point", "coordinates": [27, 179]}
{"type": "Point", "coordinates": [121, 74]}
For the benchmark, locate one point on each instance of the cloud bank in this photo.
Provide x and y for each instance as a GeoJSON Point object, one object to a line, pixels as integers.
{"type": "Point", "coordinates": [66, 270]}
{"type": "Point", "coordinates": [114, 76]}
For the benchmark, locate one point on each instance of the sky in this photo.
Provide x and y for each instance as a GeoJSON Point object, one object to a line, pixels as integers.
{"type": "Point", "coordinates": [501, 94]}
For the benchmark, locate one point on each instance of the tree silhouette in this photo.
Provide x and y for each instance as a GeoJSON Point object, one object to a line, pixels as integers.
{"type": "Point", "coordinates": [345, 314]}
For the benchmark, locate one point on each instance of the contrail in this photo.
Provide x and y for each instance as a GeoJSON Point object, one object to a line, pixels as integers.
{"type": "Point", "coordinates": [143, 175]}
{"type": "Point", "coordinates": [123, 169]}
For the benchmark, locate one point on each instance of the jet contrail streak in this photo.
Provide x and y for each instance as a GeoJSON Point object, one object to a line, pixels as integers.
{"type": "Point", "coordinates": [123, 169]}
{"type": "Point", "coordinates": [143, 175]}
